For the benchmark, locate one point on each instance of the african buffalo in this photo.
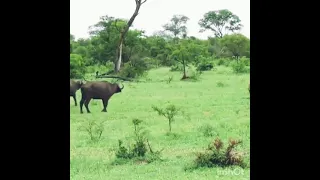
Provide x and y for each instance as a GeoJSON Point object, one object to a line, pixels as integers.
{"type": "Point", "coordinates": [74, 87]}
{"type": "Point", "coordinates": [98, 90]}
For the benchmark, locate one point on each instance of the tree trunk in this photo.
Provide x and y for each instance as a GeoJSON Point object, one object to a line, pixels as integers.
{"type": "Point", "coordinates": [184, 69]}
{"type": "Point", "coordinates": [120, 58]}
{"type": "Point", "coordinates": [124, 32]}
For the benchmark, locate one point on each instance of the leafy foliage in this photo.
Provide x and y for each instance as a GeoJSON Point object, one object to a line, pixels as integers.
{"type": "Point", "coordinates": [217, 155]}
{"type": "Point", "coordinates": [138, 151]}
{"type": "Point", "coordinates": [178, 51]}
{"type": "Point", "coordinates": [177, 25]}
{"type": "Point", "coordinates": [77, 68]}
{"type": "Point", "coordinates": [94, 129]}
{"type": "Point", "coordinates": [169, 112]}
{"type": "Point", "coordinates": [237, 44]}
{"type": "Point", "coordinates": [220, 22]}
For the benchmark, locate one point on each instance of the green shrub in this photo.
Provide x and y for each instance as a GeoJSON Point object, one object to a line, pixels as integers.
{"type": "Point", "coordinates": [151, 62]}
{"type": "Point", "coordinates": [94, 128]}
{"type": "Point", "coordinates": [139, 150]}
{"type": "Point", "coordinates": [245, 60]}
{"type": "Point", "coordinates": [223, 62]}
{"type": "Point", "coordinates": [134, 69]}
{"type": "Point", "coordinates": [195, 74]}
{"type": "Point", "coordinates": [239, 67]}
{"type": "Point", "coordinates": [217, 155]}
{"type": "Point", "coordinates": [169, 113]}
{"type": "Point", "coordinates": [208, 130]}
{"type": "Point", "coordinates": [204, 63]}
{"type": "Point", "coordinates": [77, 66]}
{"type": "Point", "coordinates": [205, 66]}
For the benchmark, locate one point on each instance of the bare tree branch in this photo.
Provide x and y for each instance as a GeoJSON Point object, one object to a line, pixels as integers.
{"type": "Point", "coordinates": [143, 2]}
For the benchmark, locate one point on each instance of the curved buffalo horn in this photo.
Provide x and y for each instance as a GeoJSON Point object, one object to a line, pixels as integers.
{"type": "Point", "coordinates": [122, 86]}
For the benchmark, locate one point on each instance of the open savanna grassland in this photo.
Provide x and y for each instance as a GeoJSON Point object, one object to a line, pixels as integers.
{"type": "Point", "coordinates": [219, 99]}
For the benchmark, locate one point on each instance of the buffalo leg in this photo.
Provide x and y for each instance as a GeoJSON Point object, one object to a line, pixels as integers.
{"type": "Point", "coordinates": [75, 100]}
{"type": "Point", "coordinates": [81, 105]}
{"type": "Point", "coordinates": [105, 104]}
{"type": "Point", "coordinates": [86, 104]}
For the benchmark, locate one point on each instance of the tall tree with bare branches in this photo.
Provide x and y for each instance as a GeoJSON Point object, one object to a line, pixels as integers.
{"type": "Point", "coordinates": [124, 32]}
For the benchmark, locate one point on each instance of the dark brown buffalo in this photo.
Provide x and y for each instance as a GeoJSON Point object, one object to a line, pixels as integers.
{"type": "Point", "coordinates": [98, 90]}
{"type": "Point", "coordinates": [74, 87]}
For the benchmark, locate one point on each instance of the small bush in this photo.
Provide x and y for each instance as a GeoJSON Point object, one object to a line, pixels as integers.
{"type": "Point", "coordinates": [223, 62]}
{"type": "Point", "coordinates": [245, 60]}
{"type": "Point", "coordinates": [220, 84]}
{"type": "Point", "coordinates": [169, 112]}
{"type": "Point", "coordinates": [138, 151]}
{"type": "Point", "coordinates": [208, 130]}
{"type": "Point", "coordinates": [195, 75]}
{"type": "Point", "coordinates": [169, 79]}
{"type": "Point", "coordinates": [134, 69]}
{"type": "Point", "coordinates": [216, 155]}
{"type": "Point", "coordinates": [77, 66]}
{"type": "Point", "coordinates": [94, 128]}
{"type": "Point", "coordinates": [239, 67]}
{"type": "Point", "coordinates": [152, 62]}
{"type": "Point", "coordinates": [204, 64]}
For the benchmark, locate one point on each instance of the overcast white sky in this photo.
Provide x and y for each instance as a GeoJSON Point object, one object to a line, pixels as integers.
{"type": "Point", "coordinates": [153, 14]}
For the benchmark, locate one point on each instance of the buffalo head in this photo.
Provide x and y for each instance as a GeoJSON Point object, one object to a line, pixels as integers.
{"type": "Point", "coordinates": [79, 84]}
{"type": "Point", "coordinates": [118, 88]}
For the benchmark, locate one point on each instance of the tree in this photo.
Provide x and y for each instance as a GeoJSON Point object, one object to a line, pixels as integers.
{"type": "Point", "coordinates": [124, 32]}
{"type": "Point", "coordinates": [237, 44]}
{"type": "Point", "coordinates": [177, 25]}
{"type": "Point", "coordinates": [220, 22]}
{"type": "Point", "coordinates": [133, 44]}
{"type": "Point", "coordinates": [104, 38]}
{"type": "Point", "coordinates": [185, 52]}
{"type": "Point", "coordinates": [77, 68]}
{"type": "Point", "coordinates": [72, 38]}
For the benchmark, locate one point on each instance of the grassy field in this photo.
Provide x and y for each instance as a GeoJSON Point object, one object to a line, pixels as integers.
{"type": "Point", "coordinates": [220, 99]}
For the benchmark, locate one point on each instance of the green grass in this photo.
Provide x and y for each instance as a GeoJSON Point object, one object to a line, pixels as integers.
{"type": "Point", "coordinates": [220, 99]}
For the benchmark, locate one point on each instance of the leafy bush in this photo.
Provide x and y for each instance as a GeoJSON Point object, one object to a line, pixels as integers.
{"type": "Point", "coordinates": [220, 84]}
{"type": "Point", "coordinates": [77, 66]}
{"type": "Point", "coordinates": [239, 67]}
{"type": "Point", "coordinates": [170, 78]}
{"type": "Point", "coordinates": [245, 60]}
{"type": "Point", "coordinates": [195, 74]}
{"type": "Point", "coordinates": [139, 150]}
{"type": "Point", "coordinates": [151, 62]}
{"type": "Point", "coordinates": [223, 62]}
{"type": "Point", "coordinates": [215, 155]}
{"type": "Point", "coordinates": [134, 68]}
{"type": "Point", "coordinates": [208, 130]}
{"type": "Point", "coordinates": [204, 63]}
{"type": "Point", "coordinates": [169, 112]}
{"type": "Point", "coordinates": [205, 66]}
{"type": "Point", "coordinates": [94, 128]}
